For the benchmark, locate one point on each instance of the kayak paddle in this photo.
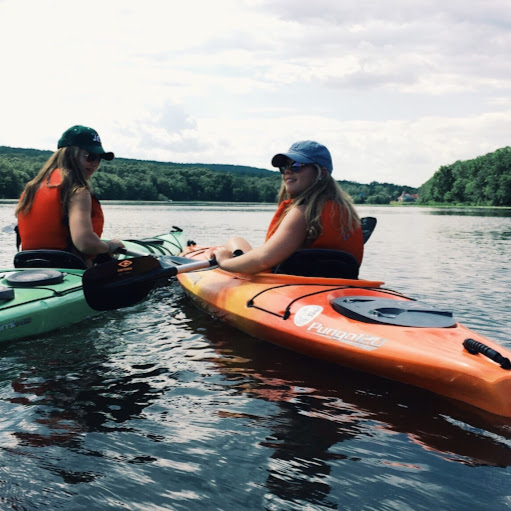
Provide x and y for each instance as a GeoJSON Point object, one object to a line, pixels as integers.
{"type": "Point", "coordinates": [118, 284]}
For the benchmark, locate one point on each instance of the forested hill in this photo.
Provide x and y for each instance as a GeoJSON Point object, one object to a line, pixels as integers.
{"type": "Point", "coordinates": [483, 181]}
{"type": "Point", "coordinates": [129, 179]}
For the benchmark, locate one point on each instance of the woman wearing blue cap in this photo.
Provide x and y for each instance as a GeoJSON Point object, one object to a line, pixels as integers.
{"type": "Point", "coordinates": [313, 212]}
{"type": "Point", "coordinates": [57, 209]}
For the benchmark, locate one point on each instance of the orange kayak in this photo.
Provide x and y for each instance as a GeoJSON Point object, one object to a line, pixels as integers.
{"type": "Point", "coordinates": [361, 325]}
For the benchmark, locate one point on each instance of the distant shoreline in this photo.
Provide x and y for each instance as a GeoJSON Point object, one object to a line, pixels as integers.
{"type": "Point", "coordinates": [181, 203]}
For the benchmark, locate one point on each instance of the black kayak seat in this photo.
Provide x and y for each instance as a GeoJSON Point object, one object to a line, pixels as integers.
{"type": "Point", "coordinates": [387, 311]}
{"type": "Point", "coordinates": [320, 262]}
{"type": "Point", "coordinates": [43, 258]}
{"type": "Point", "coordinates": [368, 224]}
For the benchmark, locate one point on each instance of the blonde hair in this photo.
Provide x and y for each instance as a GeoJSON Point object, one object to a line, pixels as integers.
{"type": "Point", "coordinates": [67, 160]}
{"type": "Point", "coordinates": [314, 198]}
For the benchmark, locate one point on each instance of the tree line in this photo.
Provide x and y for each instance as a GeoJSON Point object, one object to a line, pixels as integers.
{"type": "Point", "coordinates": [125, 179]}
{"type": "Point", "coordinates": [483, 181]}
{"type": "Point", "coordinates": [129, 179]}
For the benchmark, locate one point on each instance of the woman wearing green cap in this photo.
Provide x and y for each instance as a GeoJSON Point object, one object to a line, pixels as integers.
{"type": "Point", "coordinates": [57, 209]}
{"type": "Point", "coordinates": [313, 212]}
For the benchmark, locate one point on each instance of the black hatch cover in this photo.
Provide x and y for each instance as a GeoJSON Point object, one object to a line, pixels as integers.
{"type": "Point", "coordinates": [32, 278]}
{"type": "Point", "coordinates": [388, 311]}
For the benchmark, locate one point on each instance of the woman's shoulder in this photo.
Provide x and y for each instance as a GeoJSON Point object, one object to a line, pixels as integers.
{"type": "Point", "coordinates": [82, 190]}
{"type": "Point", "coordinates": [81, 195]}
{"type": "Point", "coordinates": [55, 177]}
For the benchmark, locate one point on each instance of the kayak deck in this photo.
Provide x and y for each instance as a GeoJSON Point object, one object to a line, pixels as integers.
{"type": "Point", "coordinates": [31, 310]}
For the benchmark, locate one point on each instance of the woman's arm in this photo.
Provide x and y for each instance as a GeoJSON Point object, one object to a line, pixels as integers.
{"type": "Point", "coordinates": [80, 225]}
{"type": "Point", "coordinates": [289, 237]}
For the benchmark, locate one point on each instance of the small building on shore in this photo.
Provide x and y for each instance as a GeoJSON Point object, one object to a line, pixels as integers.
{"type": "Point", "coordinates": [408, 197]}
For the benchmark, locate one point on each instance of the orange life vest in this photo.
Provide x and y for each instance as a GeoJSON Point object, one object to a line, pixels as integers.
{"type": "Point", "coordinates": [45, 226]}
{"type": "Point", "coordinates": [334, 236]}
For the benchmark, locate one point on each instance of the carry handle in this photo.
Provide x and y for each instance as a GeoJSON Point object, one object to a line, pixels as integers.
{"type": "Point", "coordinates": [475, 347]}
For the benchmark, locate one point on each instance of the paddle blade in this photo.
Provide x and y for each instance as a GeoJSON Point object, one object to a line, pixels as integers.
{"type": "Point", "coordinates": [118, 284]}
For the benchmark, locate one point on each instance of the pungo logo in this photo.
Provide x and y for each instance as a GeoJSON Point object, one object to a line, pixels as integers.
{"type": "Point", "coordinates": [306, 314]}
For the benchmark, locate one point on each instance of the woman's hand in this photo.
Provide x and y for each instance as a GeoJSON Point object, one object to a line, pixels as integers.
{"type": "Point", "coordinates": [114, 245]}
{"type": "Point", "coordinates": [221, 254]}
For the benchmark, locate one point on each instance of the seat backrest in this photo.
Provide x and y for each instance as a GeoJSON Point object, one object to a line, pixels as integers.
{"type": "Point", "coordinates": [319, 262]}
{"type": "Point", "coordinates": [368, 223]}
{"type": "Point", "coordinates": [48, 259]}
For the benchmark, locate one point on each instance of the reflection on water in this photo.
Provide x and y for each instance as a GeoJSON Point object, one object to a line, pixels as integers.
{"type": "Point", "coordinates": [162, 407]}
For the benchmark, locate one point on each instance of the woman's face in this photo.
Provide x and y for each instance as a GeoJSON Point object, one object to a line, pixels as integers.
{"type": "Point", "coordinates": [89, 163]}
{"type": "Point", "coordinates": [298, 177]}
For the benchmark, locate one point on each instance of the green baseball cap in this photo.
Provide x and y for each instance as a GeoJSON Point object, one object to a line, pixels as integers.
{"type": "Point", "coordinates": [85, 138]}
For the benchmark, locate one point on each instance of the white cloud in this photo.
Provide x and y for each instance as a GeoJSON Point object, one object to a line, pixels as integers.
{"type": "Point", "coordinates": [395, 88]}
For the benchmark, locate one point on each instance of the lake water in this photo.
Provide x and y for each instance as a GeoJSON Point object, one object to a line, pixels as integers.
{"type": "Point", "coordinates": [160, 407]}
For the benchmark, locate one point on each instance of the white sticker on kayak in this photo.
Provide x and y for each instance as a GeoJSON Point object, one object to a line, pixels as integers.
{"type": "Point", "coordinates": [365, 341]}
{"type": "Point", "coordinates": [306, 314]}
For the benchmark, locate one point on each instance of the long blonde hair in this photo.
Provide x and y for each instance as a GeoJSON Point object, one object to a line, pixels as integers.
{"type": "Point", "coordinates": [67, 160]}
{"type": "Point", "coordinates": [314, 198]}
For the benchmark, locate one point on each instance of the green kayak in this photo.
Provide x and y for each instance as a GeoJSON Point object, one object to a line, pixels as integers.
{"type": "Point", "coordinates": [43, 293]}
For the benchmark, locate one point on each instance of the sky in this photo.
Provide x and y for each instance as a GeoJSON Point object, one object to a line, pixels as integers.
{"type": "Point", "coordinates": [394, 88]}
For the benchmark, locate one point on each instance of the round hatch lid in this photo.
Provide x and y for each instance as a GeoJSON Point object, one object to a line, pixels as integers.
{"type": "Point", "coordinates": [32, 278]}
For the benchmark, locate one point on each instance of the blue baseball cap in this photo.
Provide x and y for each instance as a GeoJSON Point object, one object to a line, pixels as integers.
{"type": "Point", "coordinates": [306, 151]}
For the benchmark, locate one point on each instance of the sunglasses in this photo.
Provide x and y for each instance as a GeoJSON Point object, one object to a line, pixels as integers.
{"type": "Point", "coordinates": [91, 157]}
{"type": "Point", "coordinates": [293, 166]}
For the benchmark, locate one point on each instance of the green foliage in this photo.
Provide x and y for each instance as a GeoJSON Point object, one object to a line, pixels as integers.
{"type": "Point", "coordinates": [17, 167]}
{"type": "Point", "coordinates": [374, 193]}
{"type": "Point", "coordinates": [124, 179]}
{"type": "Point", "coordinates": [483, 181]}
